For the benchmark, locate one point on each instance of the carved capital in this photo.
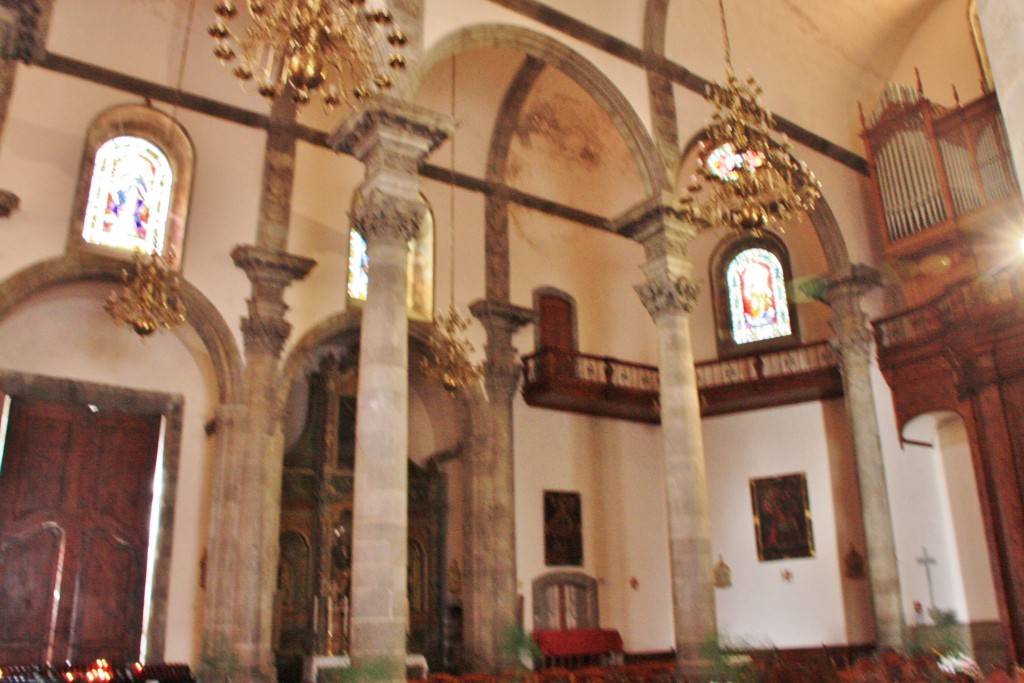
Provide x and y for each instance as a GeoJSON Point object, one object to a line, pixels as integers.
{"type": "Point", "coordinates": [380, 216]}
{"type": "Point", "coordinates": [501, 318]}
{"type": "Point", "coordinates": [405, 129]}
{"type": "Point", "coordinates": [265, 329]}
{"type": "Point", "coordinates": [852, 342]}
{"type": "Point", "coordinates": [659, 226]}
{"type": "Point", "coordinates": [662, 297]}
{"type": "Point", "coordinates": [270, 271]}
{"type": "Point", "coordinates": [264, 332]}
{"type": "Point", "coordinates": [502, 371]}
{"type": "Point", "coordinates": [848, 285]}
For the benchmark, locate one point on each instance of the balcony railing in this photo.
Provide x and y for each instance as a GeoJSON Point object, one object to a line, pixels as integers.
{"type": "Point", "coordinates": [600, 385]}
{"type": "Point", "coordinates": [994, 300]}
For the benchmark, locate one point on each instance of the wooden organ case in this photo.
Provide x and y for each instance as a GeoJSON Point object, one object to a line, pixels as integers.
{"type": "Point", "coordinates": [312, 607]}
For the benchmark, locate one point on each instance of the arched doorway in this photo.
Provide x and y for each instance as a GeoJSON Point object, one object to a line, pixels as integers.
{"type": "Point", "coordinates": [945, 568]}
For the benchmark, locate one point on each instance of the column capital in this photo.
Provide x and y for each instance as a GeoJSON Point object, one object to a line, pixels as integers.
{"type": "Point", "coordinates": [379, 216]}
{"type": "Point", "coordinates": [850, 283]}
{"type": "Point", "coordinates": [265, 328]}
{"type": "Point", "coordinates": [843, 292]}
{"type": "Point", "coordinates": [668, 295]}
{"type": "Point", "coordinates": [501, 320]}
{"type": "Point", "coordinates": [658, 225]}
{"type": "Point", "coordinates": [501, 316]}
{"type": "Point", "coordinates": [410, 132]}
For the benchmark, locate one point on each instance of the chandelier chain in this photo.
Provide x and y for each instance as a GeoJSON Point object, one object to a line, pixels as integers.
{"type": "Point", "coordinates": [725, 37]}
{"type": "Point", "coordinates": [451, 193]}
{"type": "Point", "coordinates": [180, 80]}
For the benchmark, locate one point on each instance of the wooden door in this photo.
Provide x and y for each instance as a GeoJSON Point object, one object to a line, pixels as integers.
{"type": "Point", "coordinates": [556, 323]}
{"type": "Point", "coordinates": [75, 499]}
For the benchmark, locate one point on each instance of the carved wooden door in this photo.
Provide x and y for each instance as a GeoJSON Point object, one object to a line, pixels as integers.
{"type": "Point", "coordinates": [75, 499]}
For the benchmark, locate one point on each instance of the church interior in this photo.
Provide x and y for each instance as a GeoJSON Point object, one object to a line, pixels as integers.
{"type": "Point", "coordinates": [461, 356]}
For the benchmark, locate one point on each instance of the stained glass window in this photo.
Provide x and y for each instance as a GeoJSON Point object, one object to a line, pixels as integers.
{"type": "Point", "coordinates": [725, 162]}
{"type": "Point", "coordinates": [129, 196]}
{"type": "Point", "coordinates": [420, 289]}
{"type": "Point", "coordinates": [757, 296]}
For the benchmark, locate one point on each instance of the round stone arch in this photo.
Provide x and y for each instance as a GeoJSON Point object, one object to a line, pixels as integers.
{"type": "Point", "coordinates": [634, 133]}
{"type": "Point", "coordinates": [344, 329]}
{"type": "Point", "coordinates": [826, 226]}
{"type": "Point", "coordinates": [202, 316]}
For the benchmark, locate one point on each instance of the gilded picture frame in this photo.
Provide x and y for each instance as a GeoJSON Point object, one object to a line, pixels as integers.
{"type": "Point", "coordinates": [782, 517]}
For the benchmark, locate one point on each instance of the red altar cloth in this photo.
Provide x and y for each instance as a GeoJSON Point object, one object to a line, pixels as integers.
{"type": "Point", "coordinates": [579, 641]}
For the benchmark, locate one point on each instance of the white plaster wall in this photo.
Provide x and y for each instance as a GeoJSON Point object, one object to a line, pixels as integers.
{"type": "Point", "coordinates": [919, 497]}
{"type": "Point", "coordinates": [762, 609]}
{"type": "Point", "coordinates": [65, 333]}
{"type": "Point", "coordinates": [943, 51]}
{"type": "Point", "coordinates": [615, 465]}
{"type": "Point", "coordinates": [968, 526]}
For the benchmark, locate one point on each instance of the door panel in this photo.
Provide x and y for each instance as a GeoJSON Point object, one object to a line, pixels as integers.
{"type": "Point", "coordinates": [27, 562]}
{"type": "Point", "coordinates": [79, 483]}
{"type": "Point", "coordinates": [108, 609]}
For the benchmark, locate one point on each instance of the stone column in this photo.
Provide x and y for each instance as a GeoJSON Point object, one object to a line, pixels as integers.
{"type": "Point", "coordinates": [23, 28]}
{"type": "Point", "coordinates": [246, 494]}
{"type": "Point", "coordinates": [669, 296]}
{"type": "Point", "coordinates": [392, 138]}
{"type": "Point", "coordinates": [853, 346]}
{"type": "Point", "coordinates": [492, 543]}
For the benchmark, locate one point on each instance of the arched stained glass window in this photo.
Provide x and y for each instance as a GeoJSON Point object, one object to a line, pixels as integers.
{"type": "Point", "coordinates": [129, 196]}
{"type": "Point", "coordinates": [750, 279]}
{"type": "Point", "coordinates": [419, 298]}
{"type": "Point", "coordinates": [758, 306]}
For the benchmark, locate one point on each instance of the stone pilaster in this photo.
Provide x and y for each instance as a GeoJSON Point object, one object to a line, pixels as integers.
{"type": "Point", "coordinates": [853, 346]}
{"type": "Point", "coordinates": [491, 593]}
{"type": "Point", "coordinates": [246, 505]}
{"type": "Point", "coordinates": [246, 495]}
{"type": "Point", "coordinates": [392, 138]}
{"type": "Point", "coordinates": [23, 28]}
{"type": "Point", "coordinates": [669, 295]}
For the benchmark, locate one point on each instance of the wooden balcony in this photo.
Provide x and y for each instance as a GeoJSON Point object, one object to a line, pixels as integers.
{"type": "Point", "coordinates": [608, 387]}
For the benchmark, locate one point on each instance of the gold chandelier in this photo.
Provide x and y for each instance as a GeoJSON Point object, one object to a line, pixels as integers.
{"type": "Point", "coordinates": [754, 181]}
{"type": "Point", "coordinates": [337, 49]}
{"type": "Point", "coordinates": [149, 299]}
{"type": "Point", "coordinates": [448, 349]}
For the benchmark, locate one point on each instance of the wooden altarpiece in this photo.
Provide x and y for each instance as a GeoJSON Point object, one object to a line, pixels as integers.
{"type": "Point", "coordinates": [312, 606]}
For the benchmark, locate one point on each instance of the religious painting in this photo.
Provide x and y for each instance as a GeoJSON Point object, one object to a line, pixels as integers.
{"type": "Point", "coordinates": [563, 529]}
{"type": "Point", "coordinates": [782, 517]}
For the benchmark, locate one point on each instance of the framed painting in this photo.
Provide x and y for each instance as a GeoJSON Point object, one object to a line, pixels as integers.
{"type": "Point", "coordinates": [563, 529]}
{"type": "Point", "coordinates": [782, 517]}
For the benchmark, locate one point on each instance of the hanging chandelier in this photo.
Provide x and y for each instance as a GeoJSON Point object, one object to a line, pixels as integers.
{"type": "Point", "coordinates": [448, 349]}
{"type": "Point", "coordinates": [339, 50]}
{"type": "Point", "coordinates": [149, 299]}
{"type": "Point", "coordinates": [753, 181]}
